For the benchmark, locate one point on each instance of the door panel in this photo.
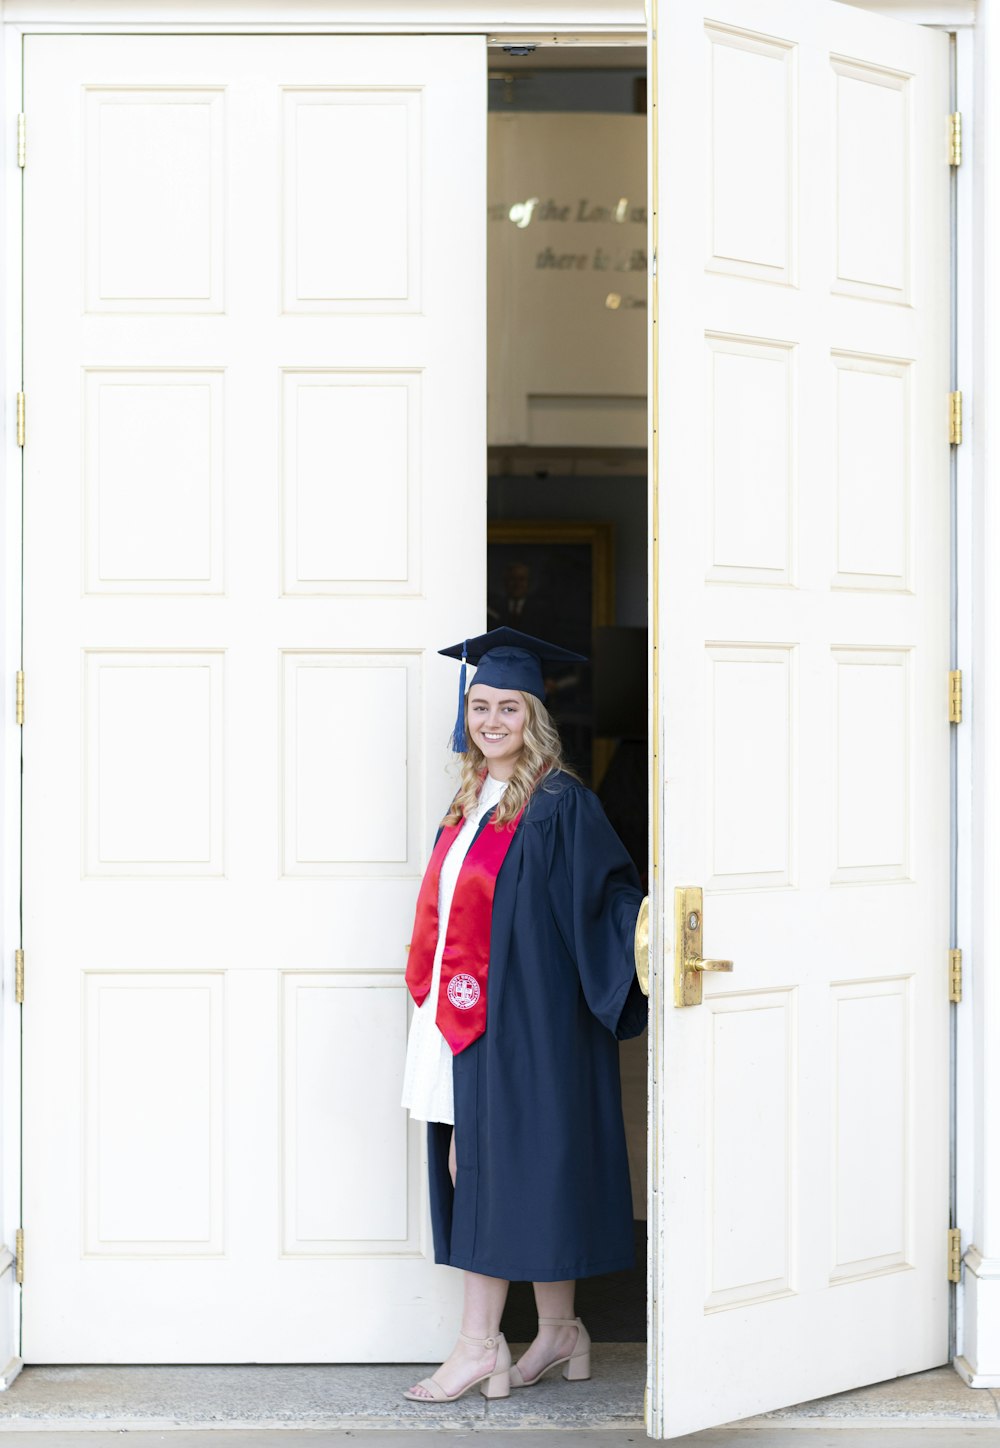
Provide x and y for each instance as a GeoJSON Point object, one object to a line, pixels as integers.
{"type": "Point", "coordinates": [255, 504]}
{"type": "Point", "coordinates": [800, 1132]}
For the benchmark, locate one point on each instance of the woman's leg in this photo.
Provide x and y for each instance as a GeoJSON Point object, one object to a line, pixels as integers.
{"type": "Point", "coordinates": [553, 1299]}
{"type": "Point", "coordinates": [452, 1158]}
{"type": "Point", "coordinates": [484, 1304]}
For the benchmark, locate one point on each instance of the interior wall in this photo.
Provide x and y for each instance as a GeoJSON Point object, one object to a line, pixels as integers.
{"type": "Point", "coordinates": [567, 265]}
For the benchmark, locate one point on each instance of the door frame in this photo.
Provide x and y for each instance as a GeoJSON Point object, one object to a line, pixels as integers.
{"type": "Point", "coordinates": [576, 22]}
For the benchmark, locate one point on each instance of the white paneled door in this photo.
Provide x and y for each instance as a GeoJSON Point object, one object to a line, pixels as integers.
{"type": "Point", "coordinates": [800, 1143]}
{"type": "Point", "coordinates": [254, 507]}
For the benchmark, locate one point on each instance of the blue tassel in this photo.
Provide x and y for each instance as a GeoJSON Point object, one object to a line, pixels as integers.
{"type": "Point", "coordinates": [458, 738]}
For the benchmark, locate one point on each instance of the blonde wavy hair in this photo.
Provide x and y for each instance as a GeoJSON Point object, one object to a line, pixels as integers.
{"type": "Point", "coordinates": [540, 756]}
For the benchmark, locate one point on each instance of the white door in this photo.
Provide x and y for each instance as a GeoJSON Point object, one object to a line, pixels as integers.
{"type": "Point", "coordinates": [800, 1131]}
{"type": "Point", "coordinates": [255, 506]}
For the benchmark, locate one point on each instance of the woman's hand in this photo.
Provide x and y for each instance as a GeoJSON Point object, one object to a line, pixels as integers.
{"type": "Point", "coordinates": [642, 946]}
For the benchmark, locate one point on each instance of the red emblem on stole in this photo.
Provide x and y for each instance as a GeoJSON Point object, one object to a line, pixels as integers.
{"type": "Point", "coordinates": [463, 991]}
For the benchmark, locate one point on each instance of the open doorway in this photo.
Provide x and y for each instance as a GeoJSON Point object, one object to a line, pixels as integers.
{"type": "Point", "coordinates": [567, 494]}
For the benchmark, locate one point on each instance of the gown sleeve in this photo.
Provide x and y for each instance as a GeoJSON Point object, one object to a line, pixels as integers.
{"type": "Point", "coordinates": [596, 895]}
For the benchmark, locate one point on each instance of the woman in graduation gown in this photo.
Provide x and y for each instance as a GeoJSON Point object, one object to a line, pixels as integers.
{"type": "Point", "coordinates": [522, 966]}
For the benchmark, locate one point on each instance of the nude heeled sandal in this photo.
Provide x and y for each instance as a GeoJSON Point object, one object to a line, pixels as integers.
{"type": "Point", "coordinates": [577, 1368]}
{"type": "Point", "coordinates": [494, 1384]}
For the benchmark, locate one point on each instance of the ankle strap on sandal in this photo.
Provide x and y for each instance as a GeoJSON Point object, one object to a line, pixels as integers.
{"type": "Point", "coordinates": [558, 1321]}
{"type": "Point", "coordinates": [482, 1341]}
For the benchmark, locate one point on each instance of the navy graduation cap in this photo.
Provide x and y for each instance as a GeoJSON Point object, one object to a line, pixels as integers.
{"type": "Point", "coordinates": [505, 658]}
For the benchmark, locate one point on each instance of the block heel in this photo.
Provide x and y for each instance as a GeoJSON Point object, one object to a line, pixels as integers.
{"type": "Point", "coordinates": [498, 1386]}
{"type": "Point", "coordinates": [576, 1366]}
{"type": "Point", "coordinates": [577, 1370]}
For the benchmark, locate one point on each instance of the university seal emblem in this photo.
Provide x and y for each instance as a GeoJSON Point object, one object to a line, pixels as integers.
{"type": "Point", "coordinates": [463, 991]}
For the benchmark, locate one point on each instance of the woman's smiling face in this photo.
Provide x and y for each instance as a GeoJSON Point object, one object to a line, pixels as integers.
{"type": "Point", "coordinates": [496, 725]}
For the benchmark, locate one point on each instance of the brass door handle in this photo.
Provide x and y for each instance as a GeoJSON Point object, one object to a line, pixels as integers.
{"type": "Point", "coordinates": [689, 963]}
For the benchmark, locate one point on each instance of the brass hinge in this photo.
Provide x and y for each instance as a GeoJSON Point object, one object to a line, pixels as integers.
{"type": "Point", "coordinates": [19, 1255]}
{"type": "Point", "coordinates": [19, 697]}
{"type": "Point", "coordinates": [955, 976]}
{"type": "Point", "coordinates": [955, 138]}
{"type": "Point", "coordinates": [955, 696]}
{"type": "Point", "coordinates": [20, 419]}
{"type": "Point", "coordinates": [954, 1254]}
{"type": "Point", "coordinates": [954, 417]}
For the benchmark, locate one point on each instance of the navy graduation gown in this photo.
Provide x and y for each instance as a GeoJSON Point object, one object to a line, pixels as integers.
{"type": "Point", "coordinates": [542, 1190]}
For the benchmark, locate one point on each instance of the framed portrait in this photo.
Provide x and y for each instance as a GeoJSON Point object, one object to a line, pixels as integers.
{"type": "Point", "coordinates": [554, 579]}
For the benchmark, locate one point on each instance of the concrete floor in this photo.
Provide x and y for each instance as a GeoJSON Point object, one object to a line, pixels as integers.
{"type": "Point", "coordinates": [324, 1406]}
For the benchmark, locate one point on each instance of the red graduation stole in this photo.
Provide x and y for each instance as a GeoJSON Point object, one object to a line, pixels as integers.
{"type": "Point", "coordinates": [461, 1010]}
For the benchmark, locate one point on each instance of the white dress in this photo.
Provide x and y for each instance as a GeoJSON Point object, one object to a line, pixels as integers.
{"type": "Point", "coordinates": [427, 1082]}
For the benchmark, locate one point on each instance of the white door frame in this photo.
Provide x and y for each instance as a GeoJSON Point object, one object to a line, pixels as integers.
{"type": "Point", "coordinates": [978, 1112]}
{"type": "Point", "coordinates": [596, 22]}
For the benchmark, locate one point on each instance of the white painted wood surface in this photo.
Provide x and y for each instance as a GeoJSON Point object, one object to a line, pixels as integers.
{"type": "Point", "coordinates": [603, 20]}
{"type": "Point", "coordinates": [799, 1159]}
{"type": "Point", "coordinates": [979, 1018]}
{"type": "Point", "coordinates": [559, 22]}
{"type": "Point", "coordinates": [254, 307]}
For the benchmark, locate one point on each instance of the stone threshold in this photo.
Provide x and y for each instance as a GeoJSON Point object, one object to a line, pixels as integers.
{"type": "Point", "coordinates": [242, 1399]}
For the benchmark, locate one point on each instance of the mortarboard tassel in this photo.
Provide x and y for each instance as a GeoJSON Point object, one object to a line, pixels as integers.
{"type": "Point", "coordinates": [458, 738]}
